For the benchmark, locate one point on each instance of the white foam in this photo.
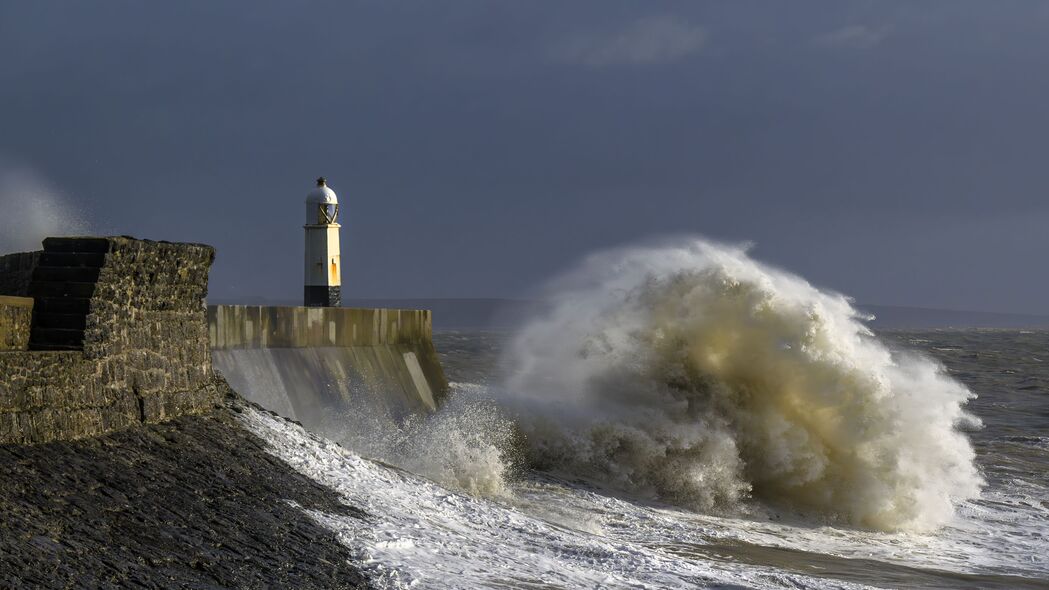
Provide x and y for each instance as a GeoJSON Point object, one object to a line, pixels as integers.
{"type": "Point", "coordinates": [420, 534]}
{"type": "Point", "coordinates": [696, 375]}
{"type": "Point", "coordinates": [466, 444]}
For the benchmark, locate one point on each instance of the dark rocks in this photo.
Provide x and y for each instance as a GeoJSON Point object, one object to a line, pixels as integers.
{"type": "Point", "coordinates": [193, 503]}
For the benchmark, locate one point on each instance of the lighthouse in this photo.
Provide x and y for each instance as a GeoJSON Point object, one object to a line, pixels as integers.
{"type": "Point", "coordinates": [323, 281]}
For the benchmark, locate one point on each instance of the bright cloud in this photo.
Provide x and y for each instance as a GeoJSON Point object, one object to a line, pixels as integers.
{"type": "Point", "coordinates": [852, 37]}
{"type": "Point", "coordinates": [650, 40]}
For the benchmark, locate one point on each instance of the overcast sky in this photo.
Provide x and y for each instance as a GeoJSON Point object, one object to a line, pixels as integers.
{"type": "Point", "coordinates": [894, 151]}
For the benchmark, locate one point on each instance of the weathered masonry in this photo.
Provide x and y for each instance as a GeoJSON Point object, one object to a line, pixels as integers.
{"type": "Point", "coordinates": [16, 316]}
{"type": "Point", "coordinates": [100, 334]}
{"type": "Point", "coordinates": [308, 363]}
{"type": "Point", "coordinates": [117, 336]}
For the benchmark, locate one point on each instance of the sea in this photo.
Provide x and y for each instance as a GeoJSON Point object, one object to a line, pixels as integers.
{"type": "Point", "coordinates": [685, 417]}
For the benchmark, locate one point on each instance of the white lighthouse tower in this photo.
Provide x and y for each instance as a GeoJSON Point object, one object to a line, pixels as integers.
{"type": "Point", "coordinates": [323, 265]}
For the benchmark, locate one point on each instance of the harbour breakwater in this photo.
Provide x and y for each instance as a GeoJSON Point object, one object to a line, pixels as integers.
{"type": "Point", "coordinates": [101, 334]}
{"type": "Point", "coordinates": [305, 363]}
{"type": "Point", "coordinates": [122, 458]}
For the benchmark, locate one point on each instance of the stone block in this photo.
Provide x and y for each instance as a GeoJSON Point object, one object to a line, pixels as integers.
{"type": "Point", "coordinates": [16, 316]}
{"type": "Point", "coordinates": [145, 354]}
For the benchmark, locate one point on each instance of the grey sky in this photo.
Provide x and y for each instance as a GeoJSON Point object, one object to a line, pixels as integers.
{"type": "Point", "coordinates": [897, 152]}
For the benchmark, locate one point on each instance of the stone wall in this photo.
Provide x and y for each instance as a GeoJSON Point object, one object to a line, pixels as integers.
{"type": "Point", "coordinates": [16, 315]}
{"type": "Point", "coordinates": [309, 363]}
{"type": "Point", "coordinates": [16, 271]}
{"type": "Point", "coordinates": [145, 357]}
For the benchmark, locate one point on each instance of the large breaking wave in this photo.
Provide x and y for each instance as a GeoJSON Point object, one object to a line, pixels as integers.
{"type": "Point", "coordinates": [691, 373]}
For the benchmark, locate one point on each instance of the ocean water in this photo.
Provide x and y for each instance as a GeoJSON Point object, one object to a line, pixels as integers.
{"type": "Point", "coordinates": [549, 531]}
{"type": "Point", "coordinates": [684, 416]}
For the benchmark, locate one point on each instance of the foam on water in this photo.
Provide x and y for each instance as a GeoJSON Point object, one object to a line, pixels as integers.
{"type": "Point", "coordinates": [692, 374]}
{"type": "Point", "coordinates": [551, 533]}
{"type": "Point", "coordinates": [467, 444]}
{"type": "Point", "coordinates": [421, 534]}
{"type": "Point", "coordinates": [703, 420]}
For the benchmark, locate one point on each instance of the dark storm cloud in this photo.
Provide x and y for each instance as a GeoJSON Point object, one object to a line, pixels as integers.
{"type": "Point", "coordinates": [893, 151]}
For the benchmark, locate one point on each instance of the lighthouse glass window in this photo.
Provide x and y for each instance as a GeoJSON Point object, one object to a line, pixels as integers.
{"type": "Point", "coordinates": [327, 213]}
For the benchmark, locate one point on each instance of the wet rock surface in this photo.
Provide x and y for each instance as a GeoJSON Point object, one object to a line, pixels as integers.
{"type": "Point", "coordinates": [193, 503]}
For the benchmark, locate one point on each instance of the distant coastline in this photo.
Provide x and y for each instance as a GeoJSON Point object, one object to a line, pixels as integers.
{"type": "Point", "coordinates": [500, 314]}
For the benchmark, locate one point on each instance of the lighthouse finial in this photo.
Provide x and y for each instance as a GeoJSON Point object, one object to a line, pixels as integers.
{"type": "Point", "coordinates": [321, 181]}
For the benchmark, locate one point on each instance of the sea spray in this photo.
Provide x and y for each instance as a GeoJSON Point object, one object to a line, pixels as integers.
{"type": "Point", "coordinates": [467, 444]}
{"type": "Point", "coordinates": [33, 209]}
{"type": "Point", "coordinates": [694, 374]}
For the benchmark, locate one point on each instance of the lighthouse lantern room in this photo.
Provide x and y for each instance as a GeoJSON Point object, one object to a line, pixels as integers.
{"type": "Point", "coordinates": [323, 280]}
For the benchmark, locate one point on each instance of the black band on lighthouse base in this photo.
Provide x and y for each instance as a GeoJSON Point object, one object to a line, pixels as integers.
{"type": "Point", "coordinates": [321, 296]}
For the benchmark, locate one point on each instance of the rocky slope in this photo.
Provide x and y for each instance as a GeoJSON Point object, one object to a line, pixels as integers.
{"type": "Point", "coordinates": [192, 503]}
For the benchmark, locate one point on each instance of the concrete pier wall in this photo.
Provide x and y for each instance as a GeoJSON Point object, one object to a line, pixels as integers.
{"type": "Point", "coordinates": [309, 364]}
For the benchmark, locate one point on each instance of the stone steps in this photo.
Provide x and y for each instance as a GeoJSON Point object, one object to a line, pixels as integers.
{"type": "Point", "coordinates": [76, 274]}
{"type": "Point", "coordinates": [56, 347]}
{"type": "Point", "coordinates": [72, 259]}
{"type": "Point", "coordinates": [63, 321]}
{"type": "Point", "coordinates": [62, 285]}
{"type": "Point", "coordinates": [76, 245]}
{"type": "Point", "coordinates": [62, 305]}
{"type": "Point", "coordinates": [71, 339]}
{"type": "Point", "coordinates": [78, 290]}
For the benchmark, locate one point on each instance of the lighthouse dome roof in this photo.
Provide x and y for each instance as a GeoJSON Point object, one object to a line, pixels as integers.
{"type": "Point", "coordinates": [322, 194]}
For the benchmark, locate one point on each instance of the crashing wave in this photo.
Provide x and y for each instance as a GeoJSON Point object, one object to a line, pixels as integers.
{"type": "Point", "coordinates": [694, 374]}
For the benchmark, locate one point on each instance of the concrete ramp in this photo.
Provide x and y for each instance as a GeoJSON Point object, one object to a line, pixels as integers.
{"type": "Point", "coordinates": [308, 363]}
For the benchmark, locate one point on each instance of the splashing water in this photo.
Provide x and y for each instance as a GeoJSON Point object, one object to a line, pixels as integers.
{"type": "Point", "coordinates": [33, 210]}
{"type": "Point", "coordinates": [467, 444]}
{"type": "Point", "coordinates": [696, 375]}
